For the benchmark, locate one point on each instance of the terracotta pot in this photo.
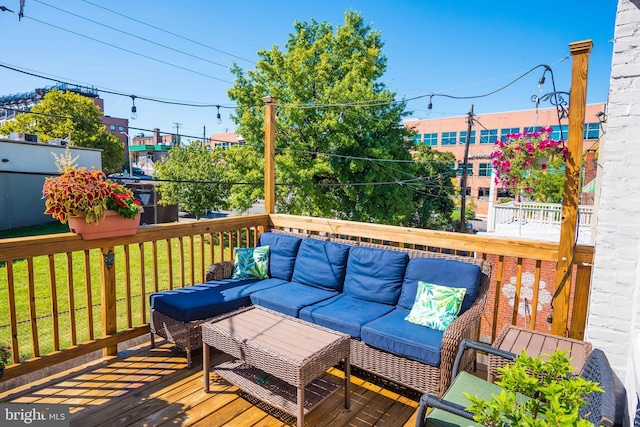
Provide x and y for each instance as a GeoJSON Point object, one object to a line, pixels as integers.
{"type": "Point", "coordinates": [112, 225]}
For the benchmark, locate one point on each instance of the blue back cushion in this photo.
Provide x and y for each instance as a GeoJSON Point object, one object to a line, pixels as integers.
{"type": "Point", "coordinates": [375, 274]}
{"type": "Point", "coordinates": [322, 264]}
{"type": "Point", "coordinates": [444, 272]}
{"type": "Point", "coordinates": [283, 250]}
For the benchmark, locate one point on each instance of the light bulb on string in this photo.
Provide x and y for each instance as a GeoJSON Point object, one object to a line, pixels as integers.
{"type": "Point", "coordinates": [341, 117]}
{"type": "Point", "coordinates": [134, 110]}
{"type": "Point", "coordinates": [218, 117]}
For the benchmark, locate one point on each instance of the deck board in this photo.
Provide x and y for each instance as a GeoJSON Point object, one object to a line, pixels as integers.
{"type": "Point", "coordinates": [153, 387]}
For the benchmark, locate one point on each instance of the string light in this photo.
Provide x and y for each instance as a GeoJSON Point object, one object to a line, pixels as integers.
{"type": "Point", "coordinates": [341, 117]}
{"type": "Point", "coordinates": [218, 117]}
{"type": "Point", "coordinates": [134, 110]}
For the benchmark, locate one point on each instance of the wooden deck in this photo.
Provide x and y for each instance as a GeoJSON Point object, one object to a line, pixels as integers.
{"type": "Point", "coordinates": [152, 387]}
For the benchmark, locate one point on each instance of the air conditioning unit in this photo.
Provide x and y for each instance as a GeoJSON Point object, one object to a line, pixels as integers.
{"type": "Point", "coordinates": [21, 136]}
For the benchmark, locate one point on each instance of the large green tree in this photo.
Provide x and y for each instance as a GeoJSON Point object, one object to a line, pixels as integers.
{"type": "Point", "coordinates": [193, 177]}
{"type": "Point", "coordinates": [334, 117]}
{"type": "Point", "coordinates": [67, 115]}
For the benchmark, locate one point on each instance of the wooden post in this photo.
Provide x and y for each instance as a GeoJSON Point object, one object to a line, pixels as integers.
{"type": "Point", "coordinates": [269, 154]}
{"type": "Point", "coordinates": [577, 105]}
{"type": "Point", "coordinates": [108, 297]}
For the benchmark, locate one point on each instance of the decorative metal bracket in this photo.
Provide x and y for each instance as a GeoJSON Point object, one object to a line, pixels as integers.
{"type": "Point", "coordinates": [109, 259]}
{"type": "Point", "coordinates": [557, 99]}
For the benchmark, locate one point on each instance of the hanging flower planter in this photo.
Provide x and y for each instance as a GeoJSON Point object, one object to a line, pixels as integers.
{"type": "Point", "coordinates": [520, 160]}
{"type": "Point", "coordinates": [112, 225]}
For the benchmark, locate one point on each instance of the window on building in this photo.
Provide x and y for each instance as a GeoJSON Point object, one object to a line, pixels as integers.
{"type": "Point", "coordinates": [484, 169]}
{"type": "Point", "coordinates": [431, 139]}
{"type": "Point", "coordinates": [112, 127]}
{"type": "Point", "coordinates": [415, 139]}
{"type": "Point", "coordinates": [483, 193]}
{"type": "Point", "coordinates": [449, 138]}
{"type": "Point", "coordinates": [488, 136]}
{"type": "Point", "coordinates": [121, 128]}
{"type": "Point", "coordinates": [467, 191]}
{"type": "Point", "coordinates": [469, 169]}
{"type": "Point", "coordinates": [591, 130]}
{"type": "Point", "coordinates": [556, 132]}
{"type": "Point", "coordinates": [463, 137]}
{"type": "Point", "coordinates": [507, 131]}
{"type": "Point", "coordinates": [503, 192]}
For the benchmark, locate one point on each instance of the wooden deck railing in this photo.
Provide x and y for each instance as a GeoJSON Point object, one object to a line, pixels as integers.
{"type": "Point", "coordinates": [62, 297]}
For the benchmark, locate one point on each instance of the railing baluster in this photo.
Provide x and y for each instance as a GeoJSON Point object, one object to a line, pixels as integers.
{"type": "Point", "coordinates": [54, 303]}
{"type": "Point", "coordinates": [13, 321]}
{"type": "Point", "coordinates": [192, 261]}
{"type": "Point", "coordinates": [143, 294]}
{"type": "Point", "coordinates": [181, 246]}
{"type": "Point", "coordinates": [516, 297]}
{"type": "Point", "coordinates": [72, 303]}
{"type": "Point", "coordinates": [154, 247]}
{"type": "Point", "coordinates": [202, 261]}
{"type": "Point", "coordinates": [127, 285]}
{"type": "Point", "coordinates": [87, 282]}
{"type": "Point", "coordinates": [536, 292]}
{"type": "Point", "coordinates": [496, 299]}
{"type": "Point", "coordinates": [221, 239]}
{"type": "Point", "coordinates": [169, 263]}
{"type": "Point", "coordinates": [32, 308]}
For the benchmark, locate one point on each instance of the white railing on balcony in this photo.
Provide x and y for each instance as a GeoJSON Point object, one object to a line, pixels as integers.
{"type": "Point", "coordinates": [534, 219]}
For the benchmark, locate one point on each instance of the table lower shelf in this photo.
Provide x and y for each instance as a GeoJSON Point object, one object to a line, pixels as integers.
{"type": "Point", "coordinates": [272, 390]}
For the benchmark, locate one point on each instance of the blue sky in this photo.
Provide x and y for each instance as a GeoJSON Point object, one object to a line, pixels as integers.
{"type": "Point", "coordinates": [459, 48]}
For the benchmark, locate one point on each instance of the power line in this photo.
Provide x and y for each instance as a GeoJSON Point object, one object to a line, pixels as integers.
{"type": "Point", "coordinates": [113, 92]}
{"type": "Point", "coordinates": [168, 32]}
{"type": "Point", "coordinates": [132, 35]}
{"type": "Point", "coordinates": [82, 119]}
{"type": "Point", "coordinates": [128, 50]}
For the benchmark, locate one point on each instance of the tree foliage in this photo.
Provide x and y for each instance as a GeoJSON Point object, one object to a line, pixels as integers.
{"type": "Point", "coordinates": [197, 173]}
{"type": "Point", "coordinates": [67, 115]}
{"type": "Point", "coordinates": [334, 118]}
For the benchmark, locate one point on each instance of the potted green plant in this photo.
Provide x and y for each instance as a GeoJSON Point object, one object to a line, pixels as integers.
{"type": "Point", "coordinates": [94, 206]}
{"type": "Point", "coordinates": [536, 392]}
{"type": "Point", "coordinates": [520, 160]}
{"type": "Point", "coordinates": [5, 357]}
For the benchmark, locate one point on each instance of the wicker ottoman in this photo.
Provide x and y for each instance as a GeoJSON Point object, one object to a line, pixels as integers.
{"type": "Point", "coordinates": [278, 358]}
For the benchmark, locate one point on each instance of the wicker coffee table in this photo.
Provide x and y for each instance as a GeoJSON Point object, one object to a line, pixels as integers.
{"type": "Point", "coordinates": [278, 358]}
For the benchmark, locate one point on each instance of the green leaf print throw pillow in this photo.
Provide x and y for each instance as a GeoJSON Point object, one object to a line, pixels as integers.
{"type": "Point", "coordinates": [251, 263]}
{"type": "Point", "coordinates": [436, 306]}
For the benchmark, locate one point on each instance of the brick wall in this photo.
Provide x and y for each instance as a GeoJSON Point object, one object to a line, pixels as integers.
{"type": "Point", "coordinates": [614, 303]}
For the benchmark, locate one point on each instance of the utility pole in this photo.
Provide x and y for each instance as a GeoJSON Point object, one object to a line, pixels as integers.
{"type": "Point", "coordinates": [463, 179]}
{"type": "Point", "coordinates": [177, 126]}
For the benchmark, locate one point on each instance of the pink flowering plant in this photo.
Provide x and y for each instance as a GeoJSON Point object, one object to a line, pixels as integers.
{"type": "Point", "coordinates": [521, 159]}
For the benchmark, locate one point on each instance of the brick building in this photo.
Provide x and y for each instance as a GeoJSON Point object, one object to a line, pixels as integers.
{"type": "Point", "coordinates": [449, 134]}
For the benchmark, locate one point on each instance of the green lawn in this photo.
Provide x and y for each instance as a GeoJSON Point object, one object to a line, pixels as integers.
{"type": "Point", "coordinates": [54, 227]}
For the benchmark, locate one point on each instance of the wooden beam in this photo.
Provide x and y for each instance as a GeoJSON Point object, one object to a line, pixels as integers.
{"type": "Point", "coordinates": [577, 105]}
{"type": "Point", "coordinates": [269, 153]}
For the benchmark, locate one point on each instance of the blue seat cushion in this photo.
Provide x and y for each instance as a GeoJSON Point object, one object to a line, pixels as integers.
{"type": "Point", "coordinates": [282, 253]}
{"type": "Point", "coordinates": [290, 297]}
{"type": "Point", "coordinates": [322, 264]}
{"type": "Point", "coordinates": [344, 314]}
{"type": "Point", "coordinates": [395, 335]}
{"type": "Point", "coordinates": [208, 299]}
{"type": "Point", "coordinates": [444, 272]}
{"type": "Point", "coordinates": [375, 274]}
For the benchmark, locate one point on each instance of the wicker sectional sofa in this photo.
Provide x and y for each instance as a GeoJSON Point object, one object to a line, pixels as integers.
{"type": "Point", "coordinates": [362, 289]}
